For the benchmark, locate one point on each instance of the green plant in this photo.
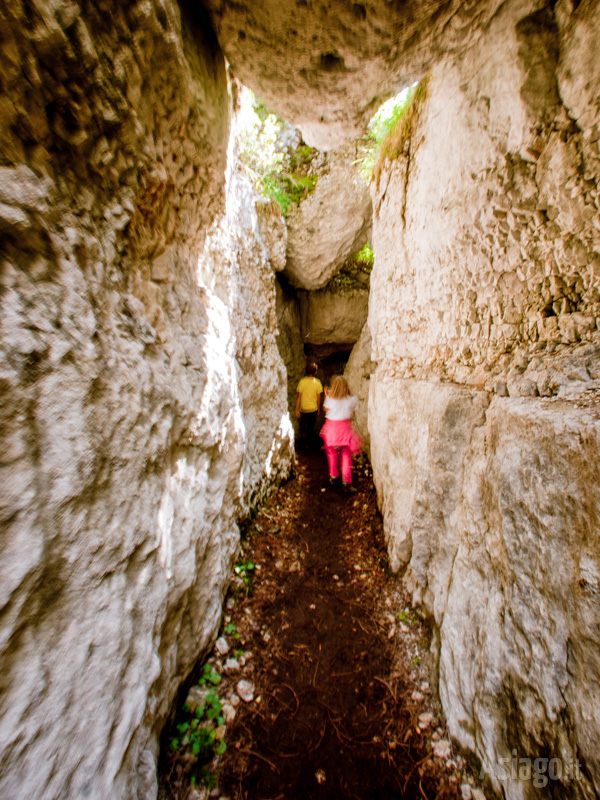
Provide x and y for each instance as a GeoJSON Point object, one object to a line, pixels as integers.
{"type": "Point", "coordinates": [365, 258]}
{"type": "Point", "coordinates": [353, 274]}
{"type": "Point", "coordinates": [408, 616]}
{"type": "Point", "coordinates": [231, 630]}
{"type": "Point", "coordinates": [389, 129]}
{"type": "Point", "coordinates": [281, 175]}
{"type": "Point", "coordinates": [244, 570]}
{"type": "Point", "coordinates": [209, 675]}
{"type": "Point", "coordinates": [195, 733]}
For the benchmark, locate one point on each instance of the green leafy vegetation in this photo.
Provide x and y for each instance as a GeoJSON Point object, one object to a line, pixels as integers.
{"type": "Point", "coordinates": [197, 734]}
{"type": "Point", "coordinates": [278, 171]}
{"type": "Point", "coordinates": [244, 569]}
{"type": "Point", "coordinates": [209, 676]}
{"type": "Point", "coordinates": [364, 259]}
{"type": "Point", "coordinates": [408, 616]}
{"type": "Point", "coordinates": [231, 630]}
{"type": "Point", "coordinates": [389, 130]}
{"type": "Point", "coordinates": [355, 272]}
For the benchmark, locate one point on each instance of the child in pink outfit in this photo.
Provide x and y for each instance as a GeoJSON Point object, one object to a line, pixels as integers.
{"type": "Point", "coordinates": [340, 438]}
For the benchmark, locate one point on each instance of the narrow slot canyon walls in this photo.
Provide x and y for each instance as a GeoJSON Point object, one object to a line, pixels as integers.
{"type": "Point", "coordinates": [131, 442]}
{"type": "Point", "coordinates": [485, 445]}
{"type": "Point", "coordinates": [143, 402]}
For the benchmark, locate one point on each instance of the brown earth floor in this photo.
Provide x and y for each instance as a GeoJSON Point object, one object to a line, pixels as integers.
{"type": "Point", "coordinates": [338, 660]}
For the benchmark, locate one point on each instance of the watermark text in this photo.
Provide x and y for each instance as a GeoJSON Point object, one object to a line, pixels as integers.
{"type": "Point", "coordinates": [537, 770]}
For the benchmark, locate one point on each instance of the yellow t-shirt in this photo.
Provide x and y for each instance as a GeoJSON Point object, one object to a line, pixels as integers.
{"type": "Point", "coordinates": [309, 389]}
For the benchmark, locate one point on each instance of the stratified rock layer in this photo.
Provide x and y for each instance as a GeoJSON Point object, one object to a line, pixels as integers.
{"type": "Point", "coordinates": [484, 304]}
{"type": "Point", "coordinates": [127, 451]}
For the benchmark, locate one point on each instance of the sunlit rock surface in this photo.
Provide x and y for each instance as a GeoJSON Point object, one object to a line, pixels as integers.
{"type": "Point", "coordinates": [237, 265]}
{"type": "Point", "coordinates": [330, 225]}
{"type": "Point", "coordinates": [358, 373]}
{"type": "Point", "coordinates": [130, 442]}
{"type": "Point", "coordinates": [326, 66]}
{"type": "Point", "coordinates": [483, 312]}
{"type": "Point", "coordinates": [273, 231]}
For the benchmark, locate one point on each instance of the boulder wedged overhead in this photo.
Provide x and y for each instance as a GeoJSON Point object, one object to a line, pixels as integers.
{"type": "Point", "coordinates": [330, 225]}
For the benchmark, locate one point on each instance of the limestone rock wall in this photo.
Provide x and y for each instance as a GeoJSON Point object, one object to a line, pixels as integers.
{"type": "Point", "coordinates": [483, 404]}
{"type": "Point", "coordinates": [333, 317]}
{"type": "Point", "coordinates": [290, 344]}
{"type": "Point", "coordinates": [236, 264]}
{"type": "Point", "coordinates": [497, 232]}
{"type": "Point", "coordinates": [358, 373]}
{"type": "Point", "coordinates": [128, 451]}
{"type": "Point", "coordinates": [494, 509]}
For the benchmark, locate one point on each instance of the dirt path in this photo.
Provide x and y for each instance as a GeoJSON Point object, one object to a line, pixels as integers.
{"type": "Point", "coordinates": [336, 660]}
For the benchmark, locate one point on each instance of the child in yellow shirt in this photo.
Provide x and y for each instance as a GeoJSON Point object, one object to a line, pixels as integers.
{"type": "Point", "coordinates": [308, 405]}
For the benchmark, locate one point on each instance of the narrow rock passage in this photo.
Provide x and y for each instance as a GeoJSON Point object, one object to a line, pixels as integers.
{"type": "Point", "coordinates": [334, 716]}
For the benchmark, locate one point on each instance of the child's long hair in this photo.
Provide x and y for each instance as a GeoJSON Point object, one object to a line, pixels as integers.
{"type": "Point", "coordinates": [339, 387]}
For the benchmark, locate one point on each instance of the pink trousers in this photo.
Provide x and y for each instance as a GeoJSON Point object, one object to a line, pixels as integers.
{"type": "Point", "coordinates": [334, 456]}
{"type": "Point", "coordinates": [340, 440]}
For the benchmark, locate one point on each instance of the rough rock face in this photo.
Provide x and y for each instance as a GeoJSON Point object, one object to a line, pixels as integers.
{"type": "Point", "coordinates": [327, 65]}
{"type": "Point", "coordinates": [493, 509]}
{"type": "Point", "coordinates": [291, 345]}
{"type": "Point", "coordinates": [533, 594]}
{"type": "Point", "coordinates": [329, 317]}
{"type": "Point", "coordinates": [498, 230]}
{"type": "Point", "coordinates": [484, 302]}
{"type": "Point", "coordinates": [236, 264]}
{"type": "Point", "coordinates": [124, 461]}
{"type": "Point", "coordinates": [330, 225]}
{"type": "Point", "coordinates": [273, 231]}
{"type": "Point", "coordinates": [357, 373]}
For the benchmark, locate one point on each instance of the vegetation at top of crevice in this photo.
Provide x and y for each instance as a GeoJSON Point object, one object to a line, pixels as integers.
{"type": "Point", "coordinates": [389, 130]}
{"type": "Point", "coordinates": [355, 273]}
{"type": "Point", "coordinates": [280, 165]}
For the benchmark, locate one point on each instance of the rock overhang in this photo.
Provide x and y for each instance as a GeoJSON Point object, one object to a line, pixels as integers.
{"type": "Point", "coordinates": [327, 65]}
